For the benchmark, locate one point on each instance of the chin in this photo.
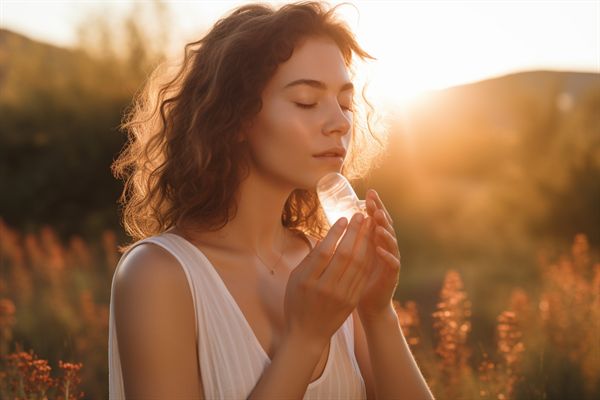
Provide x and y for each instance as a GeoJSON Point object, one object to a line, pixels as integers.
{"type": "Point", "coordinates": [312, 174]}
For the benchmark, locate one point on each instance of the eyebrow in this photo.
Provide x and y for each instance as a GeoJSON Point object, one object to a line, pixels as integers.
{"type": "Point", "coordinates": [318, 84]}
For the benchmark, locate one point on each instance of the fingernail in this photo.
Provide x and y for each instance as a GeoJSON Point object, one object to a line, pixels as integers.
{"type": "Point", "coordinates": [359, 218]}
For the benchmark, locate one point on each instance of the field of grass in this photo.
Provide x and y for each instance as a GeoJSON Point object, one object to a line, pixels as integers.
{"type": "Point", "coordinates": [54, 298]}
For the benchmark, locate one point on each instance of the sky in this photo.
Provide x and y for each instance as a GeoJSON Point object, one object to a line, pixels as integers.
{"type": "Point", "coordinates": [419, 45]}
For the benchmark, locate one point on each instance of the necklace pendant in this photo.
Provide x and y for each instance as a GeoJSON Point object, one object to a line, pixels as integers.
{"type": "Point", "coordinates": [272, 272]}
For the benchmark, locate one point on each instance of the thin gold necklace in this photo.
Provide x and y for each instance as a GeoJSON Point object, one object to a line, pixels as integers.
{"type": "Point", "coordinates": [280, 256]}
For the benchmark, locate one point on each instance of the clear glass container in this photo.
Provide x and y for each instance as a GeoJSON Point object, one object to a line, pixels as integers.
{"type": "Point", "coordinates": [338, 199]}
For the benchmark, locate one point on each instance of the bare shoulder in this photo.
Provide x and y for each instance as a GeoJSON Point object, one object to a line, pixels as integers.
{"type": "Point", "coordinates": [148, 273]}
{"type": "Point", "coordinates": [155, 324]}
{"type": "Point", "coordinates": [148, 264]}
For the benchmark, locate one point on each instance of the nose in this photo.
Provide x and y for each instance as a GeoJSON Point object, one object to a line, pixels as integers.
{"type": "Point", "coordinates": [338, 122]}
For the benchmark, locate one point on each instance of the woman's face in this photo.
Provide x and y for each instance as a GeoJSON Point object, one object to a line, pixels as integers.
{"type": "Point", "coordinates": [306, 111]}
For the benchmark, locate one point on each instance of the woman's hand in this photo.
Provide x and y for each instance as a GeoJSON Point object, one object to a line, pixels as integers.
{"type": "Point", "coordinates": [324, 289]}
{"type": "Point", "coordinates": [384, 263]}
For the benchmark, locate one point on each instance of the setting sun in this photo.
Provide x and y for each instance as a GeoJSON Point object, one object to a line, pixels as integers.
{"type": "Point", "coordinates": [419, 45]}
{"type": "Point", "coordinates": [423, 46]}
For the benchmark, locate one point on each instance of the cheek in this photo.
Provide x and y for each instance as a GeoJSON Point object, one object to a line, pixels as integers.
{"type": "Point", "coordinates": [286, 135]}
{"type": "Point", "coordinates": [283, 142]}
{"type": "Point", "coordinates": [281, 138]}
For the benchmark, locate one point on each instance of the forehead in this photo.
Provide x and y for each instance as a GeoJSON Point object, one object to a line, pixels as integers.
{"type": "Point", "coordinates": [316, 58]}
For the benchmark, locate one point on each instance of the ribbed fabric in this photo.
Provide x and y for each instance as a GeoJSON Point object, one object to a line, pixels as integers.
{"type": "Point", "coordinates": [231, 357]}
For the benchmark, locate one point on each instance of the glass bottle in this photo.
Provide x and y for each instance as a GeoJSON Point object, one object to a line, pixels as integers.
{"type": "Point", "coordinates": [338, 199]}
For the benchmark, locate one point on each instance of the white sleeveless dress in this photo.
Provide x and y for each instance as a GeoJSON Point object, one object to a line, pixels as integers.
{"type": "Point", "coordinates": [231, 357]}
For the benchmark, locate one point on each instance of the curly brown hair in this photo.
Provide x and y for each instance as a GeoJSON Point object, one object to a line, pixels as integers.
{"type": "Point", "coordinates": [184, 125]}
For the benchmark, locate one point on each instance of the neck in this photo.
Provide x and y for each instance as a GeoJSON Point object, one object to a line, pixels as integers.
{"type": "Point", "coordinates": [256, 228]}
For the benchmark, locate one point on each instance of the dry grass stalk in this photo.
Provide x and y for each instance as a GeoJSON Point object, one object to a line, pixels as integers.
{"type": "Point", "coordinates": [452, 325]}
{"type": "Point", "coordinates": [408, 316]}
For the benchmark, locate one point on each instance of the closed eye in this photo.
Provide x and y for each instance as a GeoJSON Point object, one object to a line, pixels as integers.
{"type": "Point", "coordinates": [307, 106]}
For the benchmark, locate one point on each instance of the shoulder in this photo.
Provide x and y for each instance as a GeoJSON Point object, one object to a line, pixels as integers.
{"type": "Point", "coordinates": [155, 325]}
{"type": "Point", "coordinates": [150, 276]}
{"type": "Point", "coordinates": [148, 264]}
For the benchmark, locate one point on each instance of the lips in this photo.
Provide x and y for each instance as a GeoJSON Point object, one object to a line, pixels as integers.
{"type": "Point", "coordinates": [336, 157]}
{"type": "Point", "coordinates": [333, 152]}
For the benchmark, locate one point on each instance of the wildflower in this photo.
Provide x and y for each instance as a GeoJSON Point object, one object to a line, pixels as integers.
{"type": "Point", "coordinates": [7, 321]}
{"type": "Point", "coordinates": [67, 386]}
{"type": "Point", "coordinates": [510, 348]}
{"type": "Point", "coordinates": [27, 376]}
{"type": "Point", "coordinates": [452, 325]}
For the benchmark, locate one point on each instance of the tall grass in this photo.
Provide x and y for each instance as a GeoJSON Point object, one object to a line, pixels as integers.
{"type": "Point", "coordinates": [54, 302]}
{"type": "Point", "coordinates": [54, 299]}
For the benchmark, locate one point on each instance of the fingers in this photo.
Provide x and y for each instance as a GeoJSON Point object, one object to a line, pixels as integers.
{"type": "Point", "coordinates": [344, 252]}
{"type": "Point", "coordinates": [372, 194]}
{"type": "Point", "coordinates": [371, 207]}
{"type": "Point", "coordinates": [380, 215]}
{"type": "Point", "coordinates": [325, 249]}
{"type": "Point", "coordinates": [368, 259]}
{"type": "Point", "coordinates": [389, 241]}
{"type": "Point", "coordinates": [388, 258]}
{"type": "Point", "coordinates": [357, 268]}
{"type": "Point", "coordinates": [385, 230]}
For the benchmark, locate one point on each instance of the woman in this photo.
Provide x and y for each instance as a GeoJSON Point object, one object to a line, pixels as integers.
{"type": "Point", "coordinates": [226, 294]}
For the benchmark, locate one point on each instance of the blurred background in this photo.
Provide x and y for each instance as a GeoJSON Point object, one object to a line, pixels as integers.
{"type": "Point", "coordinates": [492, 176]}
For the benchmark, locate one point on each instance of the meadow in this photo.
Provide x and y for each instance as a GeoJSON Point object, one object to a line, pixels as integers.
{"type": "Point", "coordinates": [54, 298]}
{"type": "Point", "coordinates": [495, 202]}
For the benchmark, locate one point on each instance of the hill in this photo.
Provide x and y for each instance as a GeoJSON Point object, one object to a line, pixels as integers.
{"type": "Point", "coordinates": [510, 157]}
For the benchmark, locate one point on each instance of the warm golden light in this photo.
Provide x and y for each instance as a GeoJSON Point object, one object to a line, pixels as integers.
{"type": "Point", "coordinates": [420, 45]}
{"type": "Point", "coordinates": [429, 45]}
